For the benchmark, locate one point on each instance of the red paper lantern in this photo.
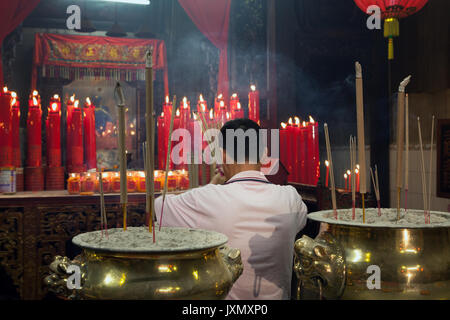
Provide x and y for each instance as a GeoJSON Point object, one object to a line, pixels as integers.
{"type": "Point", "coordinates": [391, 11]}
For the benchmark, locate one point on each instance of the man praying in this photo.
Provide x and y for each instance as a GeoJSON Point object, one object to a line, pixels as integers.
{"type": "Point", "coordinates": [259, 218]}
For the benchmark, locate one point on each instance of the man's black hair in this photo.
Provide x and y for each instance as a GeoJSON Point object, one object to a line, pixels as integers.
{"type": "Point", "coordinates": [243, 124]}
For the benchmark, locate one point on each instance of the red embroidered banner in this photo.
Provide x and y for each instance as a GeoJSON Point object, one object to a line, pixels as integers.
{"type": "Point", "coordinates": [78, 57]}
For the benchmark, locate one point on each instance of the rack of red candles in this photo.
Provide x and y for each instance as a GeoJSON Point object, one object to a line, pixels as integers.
{"type": "Point", "coordinates": [299, 150]}
{"type": "Point", "coordinates": [201, 119]}
{"type": "Point", "coordinates": [87, 183]}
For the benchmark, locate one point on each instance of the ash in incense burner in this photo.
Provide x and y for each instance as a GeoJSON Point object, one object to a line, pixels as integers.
{"type": "Point", "coordinates": [380, 259]}
{"type": "Point", "coordinates": [182, 264]}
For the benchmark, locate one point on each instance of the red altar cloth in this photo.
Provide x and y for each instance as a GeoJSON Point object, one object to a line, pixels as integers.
{"type": "Point", "coordinates": [76, 57]}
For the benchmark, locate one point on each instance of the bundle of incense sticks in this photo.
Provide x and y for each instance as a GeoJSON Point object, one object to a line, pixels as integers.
{"type": "Point", "coordinates": [330, 159]}
{"type": "Point", "coordinates": [169, 145]}
{"type": "Point", "coordinates": [150, 143]}
{"type": "Point", "coordinates": [122, 153]}
{"type": "Point", "coordinates": [424, 187]}
{"type": "Point", "coordinates": [376, 187]}
{"type": "Point", "coordinates": [103, 219]}
{"type": "Point", "coordinates": [352, 167]}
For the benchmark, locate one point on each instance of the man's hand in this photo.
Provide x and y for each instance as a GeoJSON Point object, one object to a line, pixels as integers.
{"type": "Point", "coordinates": [219, 177]}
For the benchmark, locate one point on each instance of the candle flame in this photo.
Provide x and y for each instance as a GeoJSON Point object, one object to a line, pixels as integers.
{"type": "Point", "coordinates": [327, 163]}
{"type": "Point", "coordinates": [283, 125]}
{"type": "Point", "coordinates": [35, 102]}
{"type": "Point", "coordinates": [35, 93]}
{"type": "Point", "coordinates": [76, 103]}
{"type": "Point", "coordinates": [72, 98]}
{"type": "Point", "coordinates": [55, 96]}
{"type": "Point", "coordinates": [234, 95]}
{"type": "Point", "coordinates": [54, 106]}
{"type": "Point", "coordinates": [219, 96]}
{"type": "Point", "coordinates": [356, 171]}
{"type": "Point", "coordinates": [194, 116]}
{"type": "Point", "coordinates": [253, 87]}
{"type": "Point", "coordinates": [290, 121]}
{"type": "Point", "coordinates": [14, 94]}
{"type": "Point", "coordinates": [177, 113]}
{"type": "Point", "coordinates": [228, 115]}
{"type": "Point", "coordinates": [162, 114]}
{"type": "Point", "coordinates": [200, 97]}
{"type": "Point", "coordinates": [13, 102]}
{"type": "Point", "coordinates": [167, 99]}
{"type": "Point", "coordinates": [349, 172]}
{"type": "Point", "coordinates": [345, 176]}
{"type": "Point", "coordinates": [5, 89]}
{"type": "Point", "coordinates": [170, 173]}
{"type": "Point", "coordinates": [211, 114]}
{"type": "Point", "coordinates": [304, 123]}
{"type": "Point", "coordinates": [238, 105]}
{"type": "Point", "coordinates": [222, 104]}
{"type": "Point", "coordinates": [297, 120]}
{"type": "Point", "coordinates": [357, 166]}
{"type": "Point", "coordinates": [88, 101]}
{"type": "Point", "coordinates": [311, 119]}
{"type": "Point", "coordinates": [185, 103]}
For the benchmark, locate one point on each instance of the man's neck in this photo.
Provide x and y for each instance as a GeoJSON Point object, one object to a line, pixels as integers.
{"type": "Point", "coordinates": [237, 168]}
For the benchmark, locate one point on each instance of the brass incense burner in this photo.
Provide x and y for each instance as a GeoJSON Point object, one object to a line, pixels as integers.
{"type": "Point", "coordinates": [347, 258]}
{"type": "Point", "coordinates": [204, 270]}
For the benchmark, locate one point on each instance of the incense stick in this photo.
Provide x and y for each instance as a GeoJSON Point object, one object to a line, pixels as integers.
{"type": "Point", "coordinates": [431, 167]}
{"type": "Point", "coordinates": [424, 187]}
{"type": "Point", "coordinates": [376, 190]}
{"type": "Point", "coordinates": [400, 137]}
{"type": "Point", "coordinates": [169, 147]}
{"type": "Point", "coordinates": [103, 219]}
{"type": "Point", "coordinates": [330, 159]}
{"type": "Point", "coordinates": [406, 150]}
{"type": "Point", "coordinates": [352, 167]}
{"type": "Point", "coordinates": [360, 127]}
{"type": "Point", "coordinates": [122, 153]}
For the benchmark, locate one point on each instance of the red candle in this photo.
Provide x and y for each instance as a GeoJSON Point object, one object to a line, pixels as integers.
{"type": "Point", "coordinates": [54, 132]}
{"type": "Point", "coordinates": [357, 177]}
{"type": "Point", "coordinates": [202, 109]}
{"type": "Point", "coordinates": [75, 133]}
{"type": "Point", "coordinates": [283, 144]}
{"type": "Point", "coordinates": [176, 125]}
{"type": "Point", "coordinates": [222, 113]}
{"type": "Point", "coordinates": [349, 175]}
{"type": "Point", "coordinates": [161, 140]}
{"type": "Point", "coordinates": [218, 104]}
{"type": "Point", "coordinates": [290, 148]}
{"type": "Point", "coordinates": [297, 152]}
{"type": "Point", "coordinates": [17, 162]}
{"type": "Point", "coordinates": [327, 164]}
{"type": "Point", "coordinates": [167, 109]}
{"type": "Point", "coordinates": [315, 144]}
{"type": "Point", "coordinates": [236, 110]}
{"type": "Point", "coordinates": [211, 120]}
{"type": "Point", "coordinates": [34, 131]}
{"type": "Point", "coordinates": [6, 138]}
{"type": "Point", "coordinates": [304, 155]}
{"type": "Point", "coordinates": [185, 113]}
{"type": "Point", "coordinates": [310, 168]}
{"type": "Point", "coordinates": [253, 104]}
{"type": "Point", "coordinates": [69, 105]}
{"type": "Point", "coordinates": [89, 134]}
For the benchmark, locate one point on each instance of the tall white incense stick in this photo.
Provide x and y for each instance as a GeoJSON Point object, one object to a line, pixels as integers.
{"type": "Point", "coordinates": [330, 159]}
{"type": "Point", "coordinates": [406, 150]}
{"type": "Point", "coordinates": [122, 153]}
{"type": "Point", "coordinates": [400, 138]}
{"type": "Point", "coordinates": [424, 186]}
{"type": "Point", "coordinates": [361, 142]}
{"type": "Point", "coordinates": [431, 168]}
{"type": "Point", "coordinates": [169, 147]}
{"type": "Point", "coordinates": [376, 189]}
